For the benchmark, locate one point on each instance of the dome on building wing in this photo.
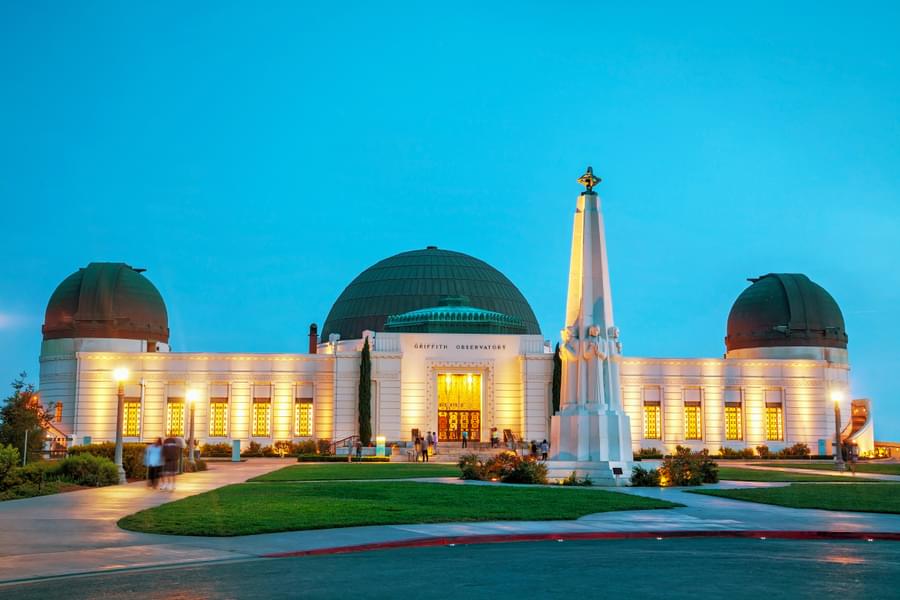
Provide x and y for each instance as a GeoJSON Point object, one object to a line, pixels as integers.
{"type": "Point", "coordinates": [106, 300]}
{"type": "Point", "coordinates": [424, 279]}
{"type": "Point", "coordinates": [785, 309]}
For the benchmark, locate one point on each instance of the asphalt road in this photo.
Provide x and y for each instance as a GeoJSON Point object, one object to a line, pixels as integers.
{"type": "Point", "coordinates": [670, 568]}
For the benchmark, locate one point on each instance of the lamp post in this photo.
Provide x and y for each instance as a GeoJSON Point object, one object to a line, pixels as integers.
{"type": "Point", "coordinates": [120, 375]}
{"type": "Point", "coordinates": [192, 399]}
{"type": "Point", "coordinates": [836, 397]}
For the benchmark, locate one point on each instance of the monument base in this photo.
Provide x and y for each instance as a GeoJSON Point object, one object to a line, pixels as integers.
{"type": "Point", "coordinates": [591, 441]}
{"type": "Point", "coordinates": [602, 473]}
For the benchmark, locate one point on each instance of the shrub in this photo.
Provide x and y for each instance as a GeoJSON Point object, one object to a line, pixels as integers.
{"type": "Point", "coordinates": [132, 456]}
{"type": "Point", "coordinates": [323, 446]}
{"type": "Point", "coordinates": [499, 466]}
{"type": "Point", "coordinates": [649, 453]}
{"type": "Point", "coordinates": [796, 451]}
{"type": "Point", "coordinates": [38, 472]}
{"type": "Point", "coordinates": [574, 480]}
{"type": "Point", "coordinates": [507, 467]}
{"type": "Point", "coordinates": [763, 451]}
{"type": "Point", "coordinates": [305, 447]}
{"type": "Point", "coordinates": [688, 468]}
{"type": "Point", "coordinates": [527, 470]}
{"type": "Point", "coordinates": [220, 450]}
{"type": "Point", "coordinates": [470, 465]}
{"type": "Point", "coordinates": [89, 469]}
{"type": "Point", "coordinates": [9, 460]}
{"type": "Point", "coordinates": [199, 465]}
{"type": "Point", "coordinates": [725, 452]}
{"type": "Point", "coordinates": [641, 477]}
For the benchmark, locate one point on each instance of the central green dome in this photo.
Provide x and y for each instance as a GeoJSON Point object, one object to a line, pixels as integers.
{"type": "Point", "coordinates": [423, 279]}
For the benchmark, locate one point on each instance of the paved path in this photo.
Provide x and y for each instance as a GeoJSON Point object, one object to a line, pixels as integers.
{"type": "Point", "coordinates": [76, 533]}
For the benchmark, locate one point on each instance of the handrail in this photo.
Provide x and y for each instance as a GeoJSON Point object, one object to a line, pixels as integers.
{"type": "Point", "coordinates": [342, 442]}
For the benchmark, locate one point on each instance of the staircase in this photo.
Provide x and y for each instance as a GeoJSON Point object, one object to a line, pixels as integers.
{"type": "Point", "coordinates": [449, 452]}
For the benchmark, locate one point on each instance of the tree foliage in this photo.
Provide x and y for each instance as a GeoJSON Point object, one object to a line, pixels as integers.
{"type": "Point", "coordinates": [557, 378]}
{"type": "Point", "coordinates": [22, 412]}
{"type": "Point", "coordinates": [365, 395]}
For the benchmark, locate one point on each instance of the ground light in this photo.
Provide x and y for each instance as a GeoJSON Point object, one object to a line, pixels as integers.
{"type": "Point", "coordinates": [836, 397]}
{"type": "Point", "coordinates": [120, 375]}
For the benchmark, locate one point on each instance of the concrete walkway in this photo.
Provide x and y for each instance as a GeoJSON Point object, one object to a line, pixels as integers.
{"type": "Point", "coordinates": [76, 533]}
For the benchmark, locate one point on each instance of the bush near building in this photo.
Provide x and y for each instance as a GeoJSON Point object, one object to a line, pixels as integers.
{"type": "Point", "coordinates": [649, 453]}
{"type": "Point", "coordinates": [132, 456]}
{"type": "Point", "coordinates": [44, 477]}
{"type": "Point", "coordinates": [731, 453]}
{"type": "Point", "coordinates": [684, 468]}
{"type": "Point", "coordinates": [507, 467]}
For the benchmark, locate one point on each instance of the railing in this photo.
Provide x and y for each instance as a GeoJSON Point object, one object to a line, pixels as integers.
{"type": "Point", "coordinates": [348, 441]}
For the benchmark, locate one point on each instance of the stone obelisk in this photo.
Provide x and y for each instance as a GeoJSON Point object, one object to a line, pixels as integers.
{"type": "Point", "coordinates": [591, 434]}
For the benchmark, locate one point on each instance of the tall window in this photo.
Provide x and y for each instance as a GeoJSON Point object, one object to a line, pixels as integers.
{"type": "Point", "coordinates": [131, 419]}
{"type": "Point", "coordinates": [693, 422]}
{"type": "Point", "coordinates": [693, 414]}
{"type": "Point", "coordinates": [774, 415]}
{"type": "Point", "coordinates": [303, 421]}
{"type": "Point", "coordinates": [734, 414]}
{"type": "Point", "coordinates": [218, 417]}
{"type": "Point", "coordinates": [175, 417]}
{"type": "Point", "coordinates": [774, 422]}
{"type": "Point", "coordinates": [262, 410]}
{"type": "Point", "coordinates": [652, 413]}
{"type": "Point", "coordinates": [652, 429]}
{"type": "Point", "coordinates": [734, 427]}
{"type": "Point", "coordinates": [58, 412]}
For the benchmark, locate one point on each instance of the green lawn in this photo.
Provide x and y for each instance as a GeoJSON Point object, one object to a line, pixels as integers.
{"type": "Point", "coordinates": [249, 508]}
{"type": "Point", "coordinates": [884, 497]}
{"type": "Point", "coordinates": [739, 474]}
{"type": "Point", "coordinates": [862, 467]}
{"type": "Point", "coordinates": [336, 471]}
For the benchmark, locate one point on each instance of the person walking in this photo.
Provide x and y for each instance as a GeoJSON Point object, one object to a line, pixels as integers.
{"type": "Point", "coordinates": [534, 449]}
{"type": "Point", "coordinates": [495, 437]}
{"type": "Point", "coordinates": [424, 450]}
{"type": "Point", "coordinates": [434, 435]}
{"type": "Point", "coordinates": [418, 447]}
{"type": "Point", "coordinates": [359, 450]}
{"type": "Point", "coordinates": [545, 449]}
{"type": "Point", "coordinates": [170, 452]}
{"type": "Point", "coordinates": [429, 441]}
{"type": "Point", "coordinates": [465, 438]}
{"type": "Point", "coordinates": [153, 459]}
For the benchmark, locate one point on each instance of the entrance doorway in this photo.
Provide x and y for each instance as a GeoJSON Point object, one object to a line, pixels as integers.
{"type": "Point", "coordinates": [459, 406]}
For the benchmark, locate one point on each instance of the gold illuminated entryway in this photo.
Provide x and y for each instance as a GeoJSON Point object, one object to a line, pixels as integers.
{"type": "Point", "coordinates": [459, 406]}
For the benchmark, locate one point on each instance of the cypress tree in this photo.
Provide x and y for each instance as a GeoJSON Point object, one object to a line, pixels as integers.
{"type": "Point", "coordinates": [557, 378]}
{"type": "Point", "coordinates": [365, 395]}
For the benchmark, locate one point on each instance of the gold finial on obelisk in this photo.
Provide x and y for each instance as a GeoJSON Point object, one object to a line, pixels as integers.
{"type": "Point", "coordinates": [588, 180]}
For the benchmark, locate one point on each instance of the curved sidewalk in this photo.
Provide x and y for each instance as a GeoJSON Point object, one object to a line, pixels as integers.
{"type": "Point", "coordinates": [76, 533]}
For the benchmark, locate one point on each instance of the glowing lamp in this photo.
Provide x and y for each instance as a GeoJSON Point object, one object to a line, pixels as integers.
{"type": "Point", "coordinates": [192, 396]}
{"type": "Point", "coordinates": [837, 396]}
{"type": "Point", "coordinates": [120, 374]}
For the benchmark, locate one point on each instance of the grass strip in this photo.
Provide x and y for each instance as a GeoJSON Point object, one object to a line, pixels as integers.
{"type": "Point", "coordinates": [245, 509]}
{"type": "Point", "coordinates": [861, 467]}
{"type": "Point", "coordinates": [350, 471]}
{"type": "Point", "coordinates": [739, 474]}
{"type": "Point", "coordinates": [856, 497]}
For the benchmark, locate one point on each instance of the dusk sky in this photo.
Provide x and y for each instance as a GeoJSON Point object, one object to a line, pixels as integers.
{"type": "Point", "coordinates": [256, 157]}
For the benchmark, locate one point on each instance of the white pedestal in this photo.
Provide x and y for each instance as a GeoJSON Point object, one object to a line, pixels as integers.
{"type": "Point", "coordinates": [591, 442]}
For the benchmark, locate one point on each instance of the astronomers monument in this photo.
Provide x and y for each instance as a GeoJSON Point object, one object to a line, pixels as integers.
{"type": "Point", "coordinates": [591, 435]}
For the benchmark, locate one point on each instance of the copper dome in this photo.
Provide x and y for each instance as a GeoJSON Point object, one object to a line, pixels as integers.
{"type": "Point", "coordinates": [785, 309]}
{"type": "Point", "coordinates": [106, 300]}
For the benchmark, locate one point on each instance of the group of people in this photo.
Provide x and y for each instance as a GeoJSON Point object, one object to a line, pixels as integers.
{"type": "Point", "coordinates": [161, 460]}
{"type": "Point", "coordinates": [543, 448]}
{"type": "Point", "coordinates": [426, 445]}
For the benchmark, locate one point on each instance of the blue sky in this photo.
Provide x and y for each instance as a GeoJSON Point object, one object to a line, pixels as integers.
{"type": "Point", "coordinates": [255, 157]}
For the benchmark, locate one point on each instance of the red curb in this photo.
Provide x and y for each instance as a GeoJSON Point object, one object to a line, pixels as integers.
{"type": "Point", "coordinates": [591, 535]}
